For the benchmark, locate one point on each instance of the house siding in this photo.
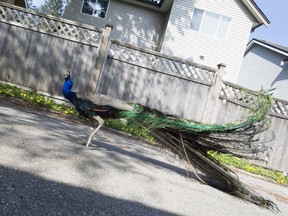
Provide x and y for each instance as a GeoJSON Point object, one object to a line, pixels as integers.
{"type": "Point", "coordinates": [261, 68]}
{"type": "Point", "coordinates": [147, 28]}
{"type": "Point", "coordinates": [182, 42]}
{"type": "Point", "coordinates": [132, 24]}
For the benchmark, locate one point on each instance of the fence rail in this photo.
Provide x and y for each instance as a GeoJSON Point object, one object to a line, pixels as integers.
{"type": "Point", "coordinates": [161, 63]}
{"type": "Point", "coordinates": [248, 98]}
{"type": "Point", "coordinates": [280, 108]}
{"type": "Point", "coordinates": [50, 25]}
{"type": "Point", "coordinates": [238, 94]}
{"type": "Point", "coordinates": [190, 71]}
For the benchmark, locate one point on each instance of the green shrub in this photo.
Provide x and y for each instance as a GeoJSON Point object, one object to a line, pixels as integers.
{"type": "Point", "coordinates": [32, 97]}
{"type": "Point", "coordinates": [244, 165]}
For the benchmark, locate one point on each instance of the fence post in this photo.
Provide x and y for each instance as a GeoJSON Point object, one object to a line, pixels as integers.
{"type": "Point", "coordinates": [102, 54]}
{"type": "Point", "coordinates": [213, 96]}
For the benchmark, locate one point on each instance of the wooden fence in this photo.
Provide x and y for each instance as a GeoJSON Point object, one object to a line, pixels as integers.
{"type": "Point", "coordinates": [192, 91]}
{"type": "Point", "coordinates": [155, 80]}
{"type": "Point", "coordinates": [237, 96]}
{"type": "Point", "coordinates": [36, 50]}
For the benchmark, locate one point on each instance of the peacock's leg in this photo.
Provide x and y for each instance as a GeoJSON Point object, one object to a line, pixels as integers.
{"type": "Point", "coordinates": [101, 122]}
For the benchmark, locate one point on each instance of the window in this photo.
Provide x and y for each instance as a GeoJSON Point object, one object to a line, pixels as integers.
{"type": "Point", "coordinates": [210, 23]}
{"type": "Point", "coordinates": [157, 3]}
{"type": "Point", "coordinates": [96, 8]}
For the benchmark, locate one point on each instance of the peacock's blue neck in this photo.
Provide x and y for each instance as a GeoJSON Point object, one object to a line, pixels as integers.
{"type": "Point", "coordinates": [67, 93]}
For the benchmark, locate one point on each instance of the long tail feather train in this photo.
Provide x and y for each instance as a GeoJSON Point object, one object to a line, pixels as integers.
{"type": "Point", "coordinates": [192, 142]}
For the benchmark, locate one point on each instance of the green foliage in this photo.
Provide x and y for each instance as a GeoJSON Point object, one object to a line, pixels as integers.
{"type": "Point", "coordinates": [52, 7]}
{"type": "Point", "coordinates": [32, 97]}
{"type": "Point", "coordinates": [134, 130]}
{"type": "Point", "coordinates": [244, 165]}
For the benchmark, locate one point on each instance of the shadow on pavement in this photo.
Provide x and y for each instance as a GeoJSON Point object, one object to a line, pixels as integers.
{"type": "Point", "coordinates": [25, 194]}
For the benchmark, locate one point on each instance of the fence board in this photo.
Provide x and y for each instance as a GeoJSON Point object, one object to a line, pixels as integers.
{"type": "Point", "coordinates": [279, 154]}
{"type": "Point", "coordinates": [39, 61]}
{"type": "Point", "coordinates": [157, 90]}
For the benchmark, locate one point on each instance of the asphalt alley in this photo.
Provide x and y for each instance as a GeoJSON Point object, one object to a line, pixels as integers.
{"type": "Point", "coordinates": [46, 170]}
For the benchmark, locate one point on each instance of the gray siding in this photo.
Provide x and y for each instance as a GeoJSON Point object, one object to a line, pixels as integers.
{"type": "Point", "coordinates": [261, 67]}
{"type": "Point", "coordinates": [131, 24]}
{"type": "Point", "coordinates": [183, 42]}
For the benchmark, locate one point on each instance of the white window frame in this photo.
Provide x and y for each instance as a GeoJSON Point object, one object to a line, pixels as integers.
{"type": "Point", "coordinates": [218, 25]}
{"type": "Point", "coordinates": [92, 15]}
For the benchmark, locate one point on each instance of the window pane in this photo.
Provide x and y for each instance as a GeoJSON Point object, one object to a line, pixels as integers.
{"type": "Point", "coordinates": [97, 8]}
{"type": "Point", "coordinates": [196, 19]}
{"type": "Point", "coordinates": [223, 27]}
{"type": "Point", "coordinates": [210, 23]}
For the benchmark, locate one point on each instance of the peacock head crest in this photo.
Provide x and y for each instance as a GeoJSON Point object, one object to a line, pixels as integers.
{"type": "Point", "coordinates": [67, 77]}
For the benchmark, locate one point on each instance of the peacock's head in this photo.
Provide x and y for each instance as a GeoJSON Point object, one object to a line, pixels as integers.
{"type": "Point", "coordinates": [66, 89]}
{"type": "Point", "coordinates": [67, 77]}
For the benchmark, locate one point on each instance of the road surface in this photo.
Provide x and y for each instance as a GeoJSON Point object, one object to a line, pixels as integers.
{"type": "Point", "coordinates": [46, 170]}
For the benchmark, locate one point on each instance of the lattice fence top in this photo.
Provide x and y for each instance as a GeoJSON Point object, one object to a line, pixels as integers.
{"type": "Point", "coordinates": [280, 107]}
{"type": "Point", "coordinates": [238, 95]}
{"type": "Point", "coordinates": [248, 98]}
{"type": "Point", "coordinates": [50, 25]}
{"type": "Point", "coordinates": [161, 63]}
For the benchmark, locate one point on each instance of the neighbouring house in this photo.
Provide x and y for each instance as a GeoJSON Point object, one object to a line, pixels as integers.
{"type": "Point", "coordinates": [265, 65]}
{"type": "Point", "coordinates": [208, 32]}
{"type": "Point", "coordinates": [20, 3]}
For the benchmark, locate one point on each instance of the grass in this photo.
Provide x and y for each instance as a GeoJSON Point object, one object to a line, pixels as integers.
{"type": "Point", "coordinates": [135, 131]}
{"type": "Point", "coordinates": [244, 165]}
{"type": "Point", "coordinates": [35, 99]}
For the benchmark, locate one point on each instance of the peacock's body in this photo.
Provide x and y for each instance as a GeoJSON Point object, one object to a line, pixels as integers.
{"type": "Point", "coordinates": [190, 141]}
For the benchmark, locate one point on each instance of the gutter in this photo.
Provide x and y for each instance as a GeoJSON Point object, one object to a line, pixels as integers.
{"type": "Point", "coordinates": [257, 13]}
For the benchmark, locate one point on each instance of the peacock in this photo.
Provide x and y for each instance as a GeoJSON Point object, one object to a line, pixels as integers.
{"type": "Point", "coordinates": [191, 141]}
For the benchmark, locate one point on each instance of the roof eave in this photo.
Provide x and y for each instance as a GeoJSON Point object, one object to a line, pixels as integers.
{"type": "Point", "coordinates": [268, 46]}
{"type": "Point", "coordinates": [257, 13]}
